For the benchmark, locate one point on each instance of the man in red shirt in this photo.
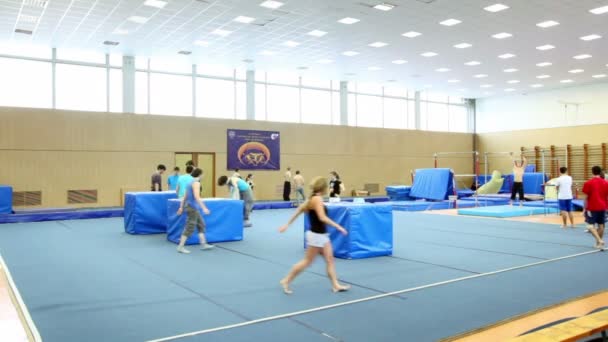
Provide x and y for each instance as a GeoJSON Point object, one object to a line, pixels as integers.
{"type": "Point", "coordinates": [596, 203]}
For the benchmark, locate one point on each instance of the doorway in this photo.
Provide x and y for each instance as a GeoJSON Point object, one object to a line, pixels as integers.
{"type": "Point", "coordinates": [203, 160]}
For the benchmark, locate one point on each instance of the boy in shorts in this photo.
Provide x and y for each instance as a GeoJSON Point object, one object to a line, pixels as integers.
{"type": "Point", "coordinates": [564, 196]}
{"type": "Point", "coordinates": [596, 203]}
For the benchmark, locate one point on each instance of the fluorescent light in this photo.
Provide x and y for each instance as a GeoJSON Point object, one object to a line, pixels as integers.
{"type": "Point", "coordinates": [110, 43]}
{"type": "Point", "coordinates": [488, 93]}
{"type": "Point", "coordinates": [542, 76]}
{"type": "Point", "coordinates": [506, 56]}
{"type": "Point", "coordinates": [28, 18]}
{"type": "Point", "coordinates": [221, 32]}
{"type": "Point", "coordinates": [120, 31]}
{"type": "Point", "coordinates": [566, 81]}
{"type": "Point", "coordinates": [599, 76]}
{"type": "Point", "coordinates": [325, 61]}
{"type": "Point", "coordinates": [442, 70]}
{"type": "Point", "coordinates": [585, 56]}
{"type": "Point", "coordinates": [480, 76]}
{"type": "Point", "coordinates": [267, 53]}
{"type": "Point", "coordinates": [184, 52]}
{"type": "Point", "coordinates": [317, 33]}
{"type": "Point", "coordinates": [428, 54]}
{"type": "Point", "coordinates": [411, 34]}
{"type": "Point", "coordinates": [510, 70]}
{"type": "Point", "coordinates": [496, 8]}
{"type": "Point", "coordinates": [536, 85]}
{"type": "Point", "coordinates": [544, 64]}
{"type": "Point", "coordinates": [384, 7]}
{"type": "Point", "coordinates": [591, 37]}
{"type": "Point", "coordinates": [138, 19]}
{"type": "Point", "coordinates": [472, 63]}
{"type": "Point", "coordinates": [291, 43]}
{"type": "Point", "coordinates": [378, 44]}
{"type": "Point", "coordinates": [348, 20]}
{"type": "Point", "coordinates": [510, 89]}
{"type": "Point", "coordinates": [463, 45]}
{"type": "Point", "coordinates": [453, 81]}
{"type": "Point", "coordinates": [513, 81]}
{"type": "Point", "coordinates": [399, 61]}
{"type": "Point", "coordinates": [271, 4]}
{"type": "Point", "coordinates": [576, 71]}
{"type": "Point", "coordinates": [463, 89]}
{"type": "Point", "coordinates": [374, 68]}
{"type": "Point", "coordinates": [201, 43]}
{"type": "Point", "coordinates": [502, 35]}
{"type": "Point", "coordinates": [545, 47]}
{"type": "Point", "coordinates": [486, 86]}
{"type": "Point", "coordinates": [599, 10]}
{"type": "Point", "coordinates": [243, 19]}
{"type": "Point", "coordinates": [350, 53]}
{"type": "Point", "coordinates": [548, 23]}
{"type": "Point", "coordinates": [155, 3]}
{"type": "Point", "coordinates": [427, 86]}
{"type": "Point", "coordinates": [450, 22]}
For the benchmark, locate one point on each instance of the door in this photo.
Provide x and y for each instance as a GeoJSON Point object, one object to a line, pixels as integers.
{"type": "Point", "coordinates": [205, 161]}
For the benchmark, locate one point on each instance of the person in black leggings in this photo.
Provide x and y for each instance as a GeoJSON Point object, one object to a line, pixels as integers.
{"type": "Point", "coordinates": [335, 184]}
{"type": "Point", "coordinates": [317, 239]}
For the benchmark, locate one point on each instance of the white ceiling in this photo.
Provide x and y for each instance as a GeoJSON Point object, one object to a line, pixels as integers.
{"type": "Point", "coordinates": [86, 24]}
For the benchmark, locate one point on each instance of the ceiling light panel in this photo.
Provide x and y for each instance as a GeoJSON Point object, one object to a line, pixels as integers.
{"type": "Point", "coordinates": [428, 54]}
{"type": "Point", "coordinates": [271, 4]}
{"type": "Point", "coordinates": [545, 47]}
{"type": "Point", "coordinates": [502, 35]}
{"type": "Point", "coordinates": [317, 33]}
{"type": "Point", "coordinates": [496, 8]}
{"type": "Point", "coordinates": [348, 21]}
{"type": "Point", "coordinates": [291, 43]}
{"type": "Point", "coordinates": [591, 37]}
{"type": "Point", "coordinates": [411, 34]}
{"type": "Point", "coordinates": [399, 61]}
{"type": "Point", "coordinates": [244, 20]}
{"type": "Point", "coordinates": [463, 45]}
{"type": "Point", "coordinates": [137, 19]}
{"type": "Point", "coordinates": [584, 56]}
{"type": "Point", "coordinates": [378, 44]}
{"type": "Point", "coordinates": [544, 64]}
{"type": "Point", "coordinates": [221, 33]}
{"type": "Point", "coordinates": [350, 53]}
{"type": "Point", "coordinates": [547, 24]}
{"type": "Point", "coordinates": [155, 3]}
{"type": "Point", "coordinates": [506, 56]}
{"type": "Point", "coordinates": [450, 22]}
{"type": "Point", "coordinates": [472, 63]}
{"type": "Point", "coordinates": [384, 7]}
{"type": "Point", "coordinates": [599, 10]}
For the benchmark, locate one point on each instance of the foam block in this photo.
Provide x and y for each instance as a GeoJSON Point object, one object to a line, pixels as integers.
{"type": "Point", "coordinates": [370, 230]}
{"type": "Point", "coordinates": [399, 192]}
{"type": "Point", "coordinates": [225, 223]}
{"type": "Point", "coordinates": [433, 184]}
{"type": "Point", "coordinates": [506, 211]}
{"type": "Point", "coordinates": [146, 212]}
{"type": "Point", "coordinates": [6, 199]}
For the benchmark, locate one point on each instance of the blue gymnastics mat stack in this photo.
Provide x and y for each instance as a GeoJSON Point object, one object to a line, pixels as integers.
{"type": "Point", "coordinates": [506, 211]}
{"type": "Point", "coordinates": [399, 192]}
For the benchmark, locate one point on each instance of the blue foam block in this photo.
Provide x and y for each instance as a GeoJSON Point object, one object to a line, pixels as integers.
{"type": "Point", "coordinates": [399, 192]}
{"type": "Point", "coordinates": [505, 211]}
{"type": "Point", "coordinates": [370, 230]}
{"type": "Point", "coordinates": [6, 199]}
{"type": "Point", "coordinates": [433, 184]}
{"type": "Point", "coordinates": [224, 223]}
{"type": "Point", "coordinates": [578, 204]}
{"type": "Point", "coordinates": [146, 212]}
{"type": "Point", "coordinates": [533, 182]}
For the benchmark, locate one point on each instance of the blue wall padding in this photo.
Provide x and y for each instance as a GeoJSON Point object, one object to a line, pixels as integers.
{"type": "Point", "coordinates": [533, 182]}
{"type": "Point", "coordinates": [399, 192]}
{"type": "Point", "coordinates": [433, 184]}
{"type": "Point", "coordinates": [6, 199]}
{"type": "Point", "coordinates": [530, 168]}
{"type": "Point", "coordinates": [370, 230]}
{"type": "Point", "coordinates": [146, 212]}
{"type": "Point", "coordinates": [224, 223]}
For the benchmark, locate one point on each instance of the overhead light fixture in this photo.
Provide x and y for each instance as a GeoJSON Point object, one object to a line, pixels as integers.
{"type": "Point", "coordinates": [384, 7]}
{"type": "Point", "coordinates": [428, 54]}
{"type": "Point", "coordinates": [566, 81]}
{"type": "Point", "coordinates": [453, 81]}
{"type": "Point", "coordinates": [411, 34]}
{"type": "Point", "coordinates": [137, 19]}
{"type": "Point", "coordinates": [486, 86]}
{"type": "Point", "coordinates": [302, 68]}
{"type": "Point", "coordinates": [542, 77]}
{"type": "Point", "coordinates": [537, 85]}
{"type": "Point", "coordinates": [184, 52]}
{"type": "Point", "coordinates": [348, 20]}
{"type": "Point", "coordinates": [496, 8]}
{"type": "Point", "coordinates": [513, 81]}
{"type": "Point", "coordinates": [427, 86]}
{"type": "Point", "coordinates": [510, 90]}
{"type": "Point", "coordinates": [463, 45]}
{"type": "Point", "coordinates": [325, 61]}
{"type": "Point", "coordinates": [463, 89]}
{"type": "Point", "coordinates": [28, 18]}
{"type": "Point", "coordinates": [248, 61]}
{"type": "Point", "coordinates": [472, 63]}
{"type": "Point", "coordinates": [317, 33]}
{"type": "Point", "coordinates": [391, 81]}
{"type": "Point", "coordinates": [374, 68]}
{"type": "Point", "coordinates": [544, 64]}
{"type": "Point", "coordinates": [450, 22]}
{"type": "Point", "coordinates": [267, 53]}
{"type": "Point", "coordinates": [591, 37]}
{"type": "Point", "coordinates": [202, 43]}
{"type": "Point", "coordinates": [585, 56]}
{"type": "Point", "coordinates": [110, 43]}
{"type": "Point", "coordinates": [510, 70]}
{"type": "Point", "coordinates": [488, 93]}
{"type": "Point", "coordinates": [272, 4]}
{"type": "Point", "coordinates": [378, 44]}
{"type": "Point", "coordinates": [442, 70]}
{"type": "Point", "coordinates": [502, 35]}
{"type": "Point", "coordinates": [121, 32]}
{"type": "Point", "coordinates": [599, 10]}
{"type": "Point", "coordinates": [28, 32]}
{"type": "Point", "coordinates": [35, 3]}
{"type": "Point", "coordinates": [545, 47]}
{"type": "Point", "coordinates": [576, 71]}
{"type": "Point", "coordinates": [155, 3]}
{"type": "Point", "coordinates": [244, 20]}
{"type": "Point", "coordinates": [506, 56]}
{"type": "Point", "coordinates": [548, 23]}
{"type": "Point", "coordinates": [350, 53]}
{"type": "Point", "coordinates": [480, 76]}
{"type": "Point", "coordinates": [599, 76]}
{"type": "Point", "coordinates": [399, 61]}
{"type": "Point", "coordinates": [291, 43]}
{"type": "Point", "coordinates": [222, 33]}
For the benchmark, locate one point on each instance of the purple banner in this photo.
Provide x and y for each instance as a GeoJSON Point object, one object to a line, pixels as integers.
{"type": "Point", "coordinates": [254, 150]}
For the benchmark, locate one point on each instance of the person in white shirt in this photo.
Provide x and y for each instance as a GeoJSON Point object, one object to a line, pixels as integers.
{"type": "Point", "coordinates": [564, 196]}
{"type": "Point", "coordinates": [298, 181]}
{"type": "Point", "coordinates": [287, 185]}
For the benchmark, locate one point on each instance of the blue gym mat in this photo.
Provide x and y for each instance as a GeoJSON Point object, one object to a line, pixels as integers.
{"type": "Point", "coordinates": [506, 211]}
{"type": "Point", "coordinates": [428, 205]}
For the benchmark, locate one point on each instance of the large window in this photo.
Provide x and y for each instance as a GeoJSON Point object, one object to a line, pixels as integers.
{"type": "Point", "coordinates": [170, 94]}
{"type": "Point", "coordinates": [439, 112]}
{"type": "Point", "coordinates": [115, 90]}
{"type": "Point", "coordinates": [141, 92]}
{"type": "Point", "coordinates": [316, 106]}
{"type": "Point", "coordinates": [25, 83]}
{"type": "Point", "coordinates": [369, 111]}
{"type": "Point", "coordinates": [81, 88]}
{"type": "Point", "coordinates": [260, 101]}
{"type": "Point", "coordinates": [395, 113]}
{"type": "Point", "coordinates": [215, 98]}
{"type": "Point", "coordinates": [241, 100]}
{"type": "Point", "coordinates": [374, 105]}
{"type": "Point", "coordinates": [283, 103]}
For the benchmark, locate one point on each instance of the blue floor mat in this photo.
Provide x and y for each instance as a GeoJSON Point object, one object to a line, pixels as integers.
{"type": "Point", "coordinates": [506, 211]}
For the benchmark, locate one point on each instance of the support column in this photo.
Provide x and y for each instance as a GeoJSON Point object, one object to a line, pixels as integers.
{"type": "Point", "coordinates": [193, 89]}
{"type": "Point", "coordinates": [344, 103]}
{"type": "Point", "coordinates": [417, 103]}
{"type": "Point", "coordinates": [128, 84]}
{"type": "Point", "coordinates": [250, 91]}
{"type": "Point", "coordinates": [54, 78]}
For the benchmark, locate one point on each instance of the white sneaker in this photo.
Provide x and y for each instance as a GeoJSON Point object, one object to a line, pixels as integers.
{"type": "Point", "coordinates": [247, 224]}
{"type": "Point", "coordinates": [182, 250]}
{"type": "Point", "coordinates": [206, 247]}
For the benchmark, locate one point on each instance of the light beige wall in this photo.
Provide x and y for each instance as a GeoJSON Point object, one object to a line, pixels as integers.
{"type": "Point", "coordinates": [55, 151]}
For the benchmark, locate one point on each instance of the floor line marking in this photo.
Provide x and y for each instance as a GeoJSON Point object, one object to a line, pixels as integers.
{"type": "Point", "coordinates": [361, 300]}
